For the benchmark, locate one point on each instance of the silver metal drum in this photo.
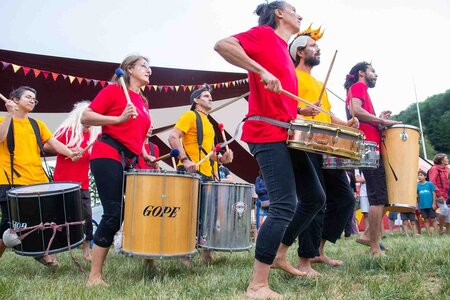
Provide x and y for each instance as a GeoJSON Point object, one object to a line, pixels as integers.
{"type": "Point", "coordinates": [370, 159]}
{"type": "Point", "coordinates": [225, 214]}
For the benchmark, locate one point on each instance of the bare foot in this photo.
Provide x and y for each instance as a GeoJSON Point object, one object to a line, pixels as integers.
{"type": "Point", "coordinates": [187, 261]}
{"type": "Point", "coordinates": [262, 293]}
{"type": "Point", "coordinates": [87, 256]}
{"type": "Point", "coordinates": [92, 282]}
{"type": "Point", "coordinates": [207, 256]}
{"type": "Point", "coordinates": [305, 267]}
{"type": "Point", "coordinates": [363, 241]}
{"type": "Point", "coordinates": [282, 264]}
{"type": "Point", "coordinates": [376, 253]}
{"type": "Point", "coordinates": [327, 260]}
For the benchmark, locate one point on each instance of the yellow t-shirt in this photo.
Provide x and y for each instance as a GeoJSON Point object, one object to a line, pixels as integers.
{"type": "Point", "coordinates": [309, 89]}
{"type": "Point", "coordinates": [27, 159]}
{"type": "Point", "coordinates": [187, 124]}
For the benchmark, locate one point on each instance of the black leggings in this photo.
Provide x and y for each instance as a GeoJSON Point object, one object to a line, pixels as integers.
{"type": "Point", "coordinates": [108, 175]}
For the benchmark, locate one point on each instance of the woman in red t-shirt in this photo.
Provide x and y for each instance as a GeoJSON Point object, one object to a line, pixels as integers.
{"type": "Point", "coordinates": [124, 127]}
{"type": "Point", "coordinates": [77, 136]}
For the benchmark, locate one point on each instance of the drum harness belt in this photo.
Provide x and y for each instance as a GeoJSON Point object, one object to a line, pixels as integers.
{"type": "Point", "coordinates": [123, 151]}
{"type": "Point", "coordinates": [278, 123]}
{"type": "Point", "coordinates": [11, 147]}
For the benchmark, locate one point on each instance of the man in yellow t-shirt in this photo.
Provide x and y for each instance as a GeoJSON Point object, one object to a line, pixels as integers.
{"type": "Point", "coordinates": [27, 165]}
{"type": "Point", "coordinates": [186, 131]}
{"type": "Point", "coordinates": [185, 138]}
{"type": "Point", "coordinates": [330, 222]}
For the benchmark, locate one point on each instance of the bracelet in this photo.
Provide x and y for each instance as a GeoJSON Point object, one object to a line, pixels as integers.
{"type": "Point", "coordinates": [299, 109]}
{"type": "Point", "coordinates": [183, 159]}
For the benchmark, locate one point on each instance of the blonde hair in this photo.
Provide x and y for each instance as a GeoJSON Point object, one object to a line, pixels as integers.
{"type": "Point", "coordinates": [73, 125]}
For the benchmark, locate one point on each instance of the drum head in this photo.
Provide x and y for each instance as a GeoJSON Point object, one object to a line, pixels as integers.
{"type": "Point", "coordinates": [44, 189]}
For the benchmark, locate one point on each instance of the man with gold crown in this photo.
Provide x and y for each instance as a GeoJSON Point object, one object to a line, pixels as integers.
{"type": "Point", "coordinates": [330, 221]}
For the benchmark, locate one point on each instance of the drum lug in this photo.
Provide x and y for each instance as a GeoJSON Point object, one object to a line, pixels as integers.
{"type": "Point", "coordinates": [309, 134]}
{"type": "Point", "coordinates": [336, 138]}
{"type": "Point", "coordinates": [404, 136]}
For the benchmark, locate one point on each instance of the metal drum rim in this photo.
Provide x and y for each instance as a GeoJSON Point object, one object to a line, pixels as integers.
{"type": "Point", "coordinates": [164, 173]}
{"type": "Point", "coordinates": [228, 184]}
{"type": "Point", "coordinates": [11, 193]}
{"type": "Point", "coordinates": [403, 126]}
{"type": "Point", "coordinates": [323, 125]}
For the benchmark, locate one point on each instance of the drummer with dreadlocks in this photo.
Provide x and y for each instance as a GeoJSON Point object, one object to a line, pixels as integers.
{"type": "Point", "coordinates": [362, 77]}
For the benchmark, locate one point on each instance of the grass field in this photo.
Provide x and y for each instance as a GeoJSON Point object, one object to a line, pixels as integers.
{"type": "Point", "coordinates": [414, 268]}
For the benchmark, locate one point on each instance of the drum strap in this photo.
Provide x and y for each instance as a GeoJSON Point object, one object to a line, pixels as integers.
{"type": "Point", "coordinates": [11, 147]}
{"type": "Point", "coordinates": [270, 121]}
{"type": "Point", "coordinates": [123, 151]}
{"type": "Point", "coordinates": [389, 163]}
{"type": "Point", "coordinates": [152, 148]}
{"type": "Point", "coordinates": [199, 125]}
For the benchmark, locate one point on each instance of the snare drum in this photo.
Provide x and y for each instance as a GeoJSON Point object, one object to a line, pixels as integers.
{"type": "Point", "coordinates": [400, 150]}
{"type": "Point", "coordinates": [160, 217]}
{"type": "Point", "coordinates": [370, 159]}
{"type": "Point", "coordinates": [226, 209]}
{"type": "Point", "coordinates": [57, 203]}
{"type": "Point", "coordinates": [326, 138]}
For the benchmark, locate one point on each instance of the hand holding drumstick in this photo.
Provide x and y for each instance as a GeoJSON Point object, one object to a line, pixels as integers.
{"type": "Point", "coordinates": [10, 105]}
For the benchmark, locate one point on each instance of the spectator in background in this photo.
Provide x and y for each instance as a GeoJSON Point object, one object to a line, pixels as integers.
{"type": "Point", "coordinates": [426, 194]}
{"type": "Point", "coordinates": [262, 203]}
{"type": "Point", "coordinates": [225, 174]}
{"type": "Point", "coordinates": [438, 175]}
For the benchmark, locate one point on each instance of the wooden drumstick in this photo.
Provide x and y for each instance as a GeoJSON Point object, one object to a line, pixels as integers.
{"type": "Point", "coordinates": [173, 153]}
{"type": "Point", "coordinates": [84, 150]}
{"type": "Point", "coordinates": [174, 163]}
{"type": "Point", "coordinates": [216, 148]}
{"type": "Point", "coordinates": [305, 102]}
{"type": "Point", "coordinates": [119, 73]}
{"type": "Point", "coordinates": [223, 135]}
{"type": "Point", "coordinates": [6, 100]}
{"type": "Point", "coordinates": [326, 78]}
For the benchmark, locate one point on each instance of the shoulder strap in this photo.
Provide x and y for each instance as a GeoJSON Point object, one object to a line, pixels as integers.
{"type": "Point", "coordinates": [37, 133]}
{"type": "Point", "coordinates": [11, 148]}
{"type": "Point", "coordinates": [199, 125]}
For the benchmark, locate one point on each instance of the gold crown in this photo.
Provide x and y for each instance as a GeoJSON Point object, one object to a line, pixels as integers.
{"type": "Point", "coordinates": [315, 34]}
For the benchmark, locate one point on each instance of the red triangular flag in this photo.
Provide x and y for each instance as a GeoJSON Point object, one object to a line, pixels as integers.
{"type": "Point", "coordinates": [36, 72]}
{"type": "Point", "coordinates": [80, 80]}
{"type": "Point", "coordinates": [45, 73]}
{"type": "Point", "coordinates": [55, 76]}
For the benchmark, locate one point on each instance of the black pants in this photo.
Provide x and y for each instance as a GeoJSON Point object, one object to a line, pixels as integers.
{"type": "Point", "coordinates": [287, 173]}
{"type": "Point", "coordinates": [87, 214]}
{"type": "Point", "coordinates": [329, 223]}
{"type": "Point", "coordinates": [108, 175]}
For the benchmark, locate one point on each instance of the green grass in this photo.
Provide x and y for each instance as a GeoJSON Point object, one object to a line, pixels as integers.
{"type": "Point", "coordinates": [415, 268]}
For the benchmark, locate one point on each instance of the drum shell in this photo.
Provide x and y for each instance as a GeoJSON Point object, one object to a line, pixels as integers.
{"type": "Point", "coordinates": [400, 148]}
{"type": "Point", "coordinates": [147, 230]}
{"type": "Point", "coordinates": [325, 138]}
{"type": "Point", "coordinates": [46, 203]}
{"type": "Point", "coordinates": [226, 216]}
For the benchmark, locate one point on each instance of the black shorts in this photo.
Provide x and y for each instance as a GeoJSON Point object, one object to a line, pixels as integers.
{"type": "Point", "coordinates": [428, 213]}
{"type": "Point", "coordinates": [376, 185]}
{"type": "Point", "coordinates": [408, 216]}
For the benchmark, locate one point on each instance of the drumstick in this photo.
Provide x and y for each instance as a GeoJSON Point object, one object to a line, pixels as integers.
{"type": "Point", "coordinates": [174, 163]}
{"type": "Point", "coordinates": [326, 78]}
{"type": "Point", "coordinates": [6, 100]}
{"type": "Point", "coordinates": [228, 103]}
{"type": "Point", "coordinates": [119, 73]}
{"type": "Point", "coordinates": [84, 150]}
{"type": "Point", "coordinates": [216, 148]}
{"type": "Point", "coordinates": [223, 135]}
{"type": "Point", "coordinates": [305, 102]}
{"type": "Point", "coordinates": [172, 153]}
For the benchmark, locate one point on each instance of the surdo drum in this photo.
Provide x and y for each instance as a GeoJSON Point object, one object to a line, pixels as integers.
{"type": "Point", "coordinates": [160, 217]}
{"type": "Point", "coordinates": [400, 150]}
{"type": "Point", "coordinates": [48, 207]}
{"type": "Point", "coordinates": [226, 216]}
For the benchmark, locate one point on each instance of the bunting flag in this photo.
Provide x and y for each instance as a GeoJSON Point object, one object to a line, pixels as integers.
{"type": "Point", "coordinates": [157, 88]}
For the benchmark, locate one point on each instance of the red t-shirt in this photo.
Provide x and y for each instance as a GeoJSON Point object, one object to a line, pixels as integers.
{"type": "Point", "coordinates": [111, 101]}
{"type": "Point", "coordinates": [76, 171]}
{"type": "Point", "coordinates": [141, 162]}
{"type": "Point", "coordinates": [265, 47]}
{"type": "Point", "coordinates": [359, 90]}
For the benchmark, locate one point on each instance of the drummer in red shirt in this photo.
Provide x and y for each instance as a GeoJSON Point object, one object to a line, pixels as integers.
{"type": "Point", "coordinates": [124, 129]}
{"type": "Point", "coordinates": [77, 136]}
{"type": "Point", "coordinates": [362, 77]}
